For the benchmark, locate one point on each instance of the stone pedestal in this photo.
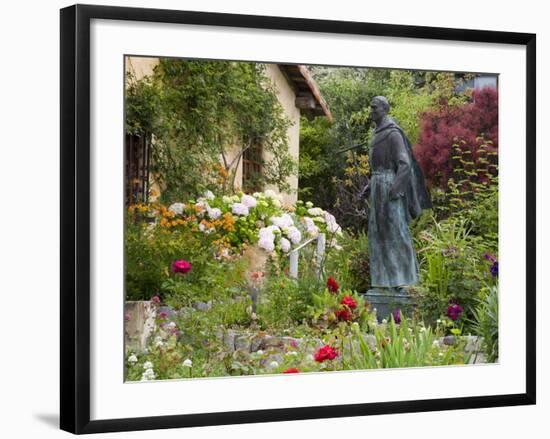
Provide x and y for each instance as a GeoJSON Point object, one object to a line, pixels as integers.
{"type": "Point", "coordinates": [386, 300]}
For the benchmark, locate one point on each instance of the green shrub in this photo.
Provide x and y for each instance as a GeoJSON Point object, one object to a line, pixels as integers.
{"type": "Point", "coordinates": [485, 321]}
{"type": "Point", "coordinates": [452, 267]}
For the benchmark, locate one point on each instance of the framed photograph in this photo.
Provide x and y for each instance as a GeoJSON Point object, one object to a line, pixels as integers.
{"type": "Point", "coordinates": [275, 218]}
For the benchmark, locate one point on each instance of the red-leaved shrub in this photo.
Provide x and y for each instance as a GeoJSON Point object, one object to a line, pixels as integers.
{"type": "Point", "coordinates": [470, 124]}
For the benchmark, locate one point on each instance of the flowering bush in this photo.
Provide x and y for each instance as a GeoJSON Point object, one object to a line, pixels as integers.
{"type": "Point", "coordinates": [333, 306]}
{"type": "Point", "coordinates": [241, 219]}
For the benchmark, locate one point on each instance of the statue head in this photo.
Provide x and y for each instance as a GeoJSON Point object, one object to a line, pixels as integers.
{"type": "Point", "coordinates": [379, 108]}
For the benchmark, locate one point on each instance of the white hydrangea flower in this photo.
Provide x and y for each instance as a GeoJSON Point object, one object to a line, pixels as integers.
{"type": "Point", "coordinates": [294, 234]}
{"type": "Point", "coordinates": [311, 228]}
{"type": "Point", "coordinates": [188, 363]}
{"type": "Point", "coordinates": [291, 353]}
{"type": "Point", "coordinates": [276, 203]}
{"type": "Point", "coordinates": [285, 220]}
{"type": "Point", "coordinates": [318, 219]}
{"type": "Point", "coordinates": [285, 245]}
{"type": "Point", "coordinates": [159, 343]}
{"type": "Point", "coordinates": [260, 352]}
{"type": "Point", "coordinates": [273, 365]}
{"type": "Point", "coordinates": [239, 209]}
{"type": "Point", "coordinates": [315, 211]}
{"type": "Point", "coordinates": [269, 232]}
{"type": "Point", "coordinates": [226, 199]}
{"type": "Point", "coordinates": [147, 365]}
{"type": "Point", "coordinates": [332, 225]}
{"type": "Point", "coordinates": [177, 208]}
{"type": "Point", "coordinates": [270, 193]}
{"type": "Point", "coordinates": [249, 201]}
{"type": "Point", "coordinates": [132, 359]}
{"type": "Point", "coordinates": [209, 195]}
{"type": "Point", "coordinates": [309, 204]}
{"type": "Point", "coordinates": [267, 244]}
{"type": "Point", "coordinates": [214, 213]}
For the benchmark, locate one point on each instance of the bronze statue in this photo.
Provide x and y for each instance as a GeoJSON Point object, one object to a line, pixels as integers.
{"type": "Point", "coordinates": [397, 195]}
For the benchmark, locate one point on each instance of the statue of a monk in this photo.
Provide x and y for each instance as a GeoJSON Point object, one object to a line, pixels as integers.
{"type": "Point", "coordinates": [397, 194]}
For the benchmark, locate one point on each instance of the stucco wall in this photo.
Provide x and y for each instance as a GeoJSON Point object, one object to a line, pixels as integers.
{"type": "Point", "coordinates": [140, 66]}
{"type": "Point", "coordinates": [286, 96]}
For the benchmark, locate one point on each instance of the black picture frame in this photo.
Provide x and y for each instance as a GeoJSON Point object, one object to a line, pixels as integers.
{"type": "Point", "coordinates": [75, 217]}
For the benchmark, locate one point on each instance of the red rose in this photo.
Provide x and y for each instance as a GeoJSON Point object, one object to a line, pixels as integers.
{"type": "Point", "coordinates": [332, 285]}
{"type": "Point", "coordinates": [155, 299]}
{"type": "Point", "coordinates": [349, 301]}
{"type": "Point", "coordinates": [343, 314]}
{"type": "Point", "coordinates": [327, 352]}
{"type": "Point", "coordinates": [291, 370]}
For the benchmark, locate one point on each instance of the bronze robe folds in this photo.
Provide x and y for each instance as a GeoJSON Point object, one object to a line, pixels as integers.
{"type": "Point", "coordinates": [397, 194]}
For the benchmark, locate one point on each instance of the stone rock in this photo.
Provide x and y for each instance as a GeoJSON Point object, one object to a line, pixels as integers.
{"type": "Point", "coordinates": [256, 343]}
{"type": "Point", "coordinates": [202, 306]}
{"type": "Point", "coordinates": [266, 362]}
{"type": "Point", "coordinates": [229, 339]}
{"type": "Point", "coordinates": [186, 311]}
{"type": "Point", "coordinates": [170, 313]}
{"type": "Point", "coordinates": [473, 343]}
{"type": "Point", "coordinates": [292, 342]}
{"type": "Point", "coordinates": [449, 340]}
{"type": "Point", "coordinates": [243, 343]}
{"type": "Point", "coordinates": [272, 342]}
